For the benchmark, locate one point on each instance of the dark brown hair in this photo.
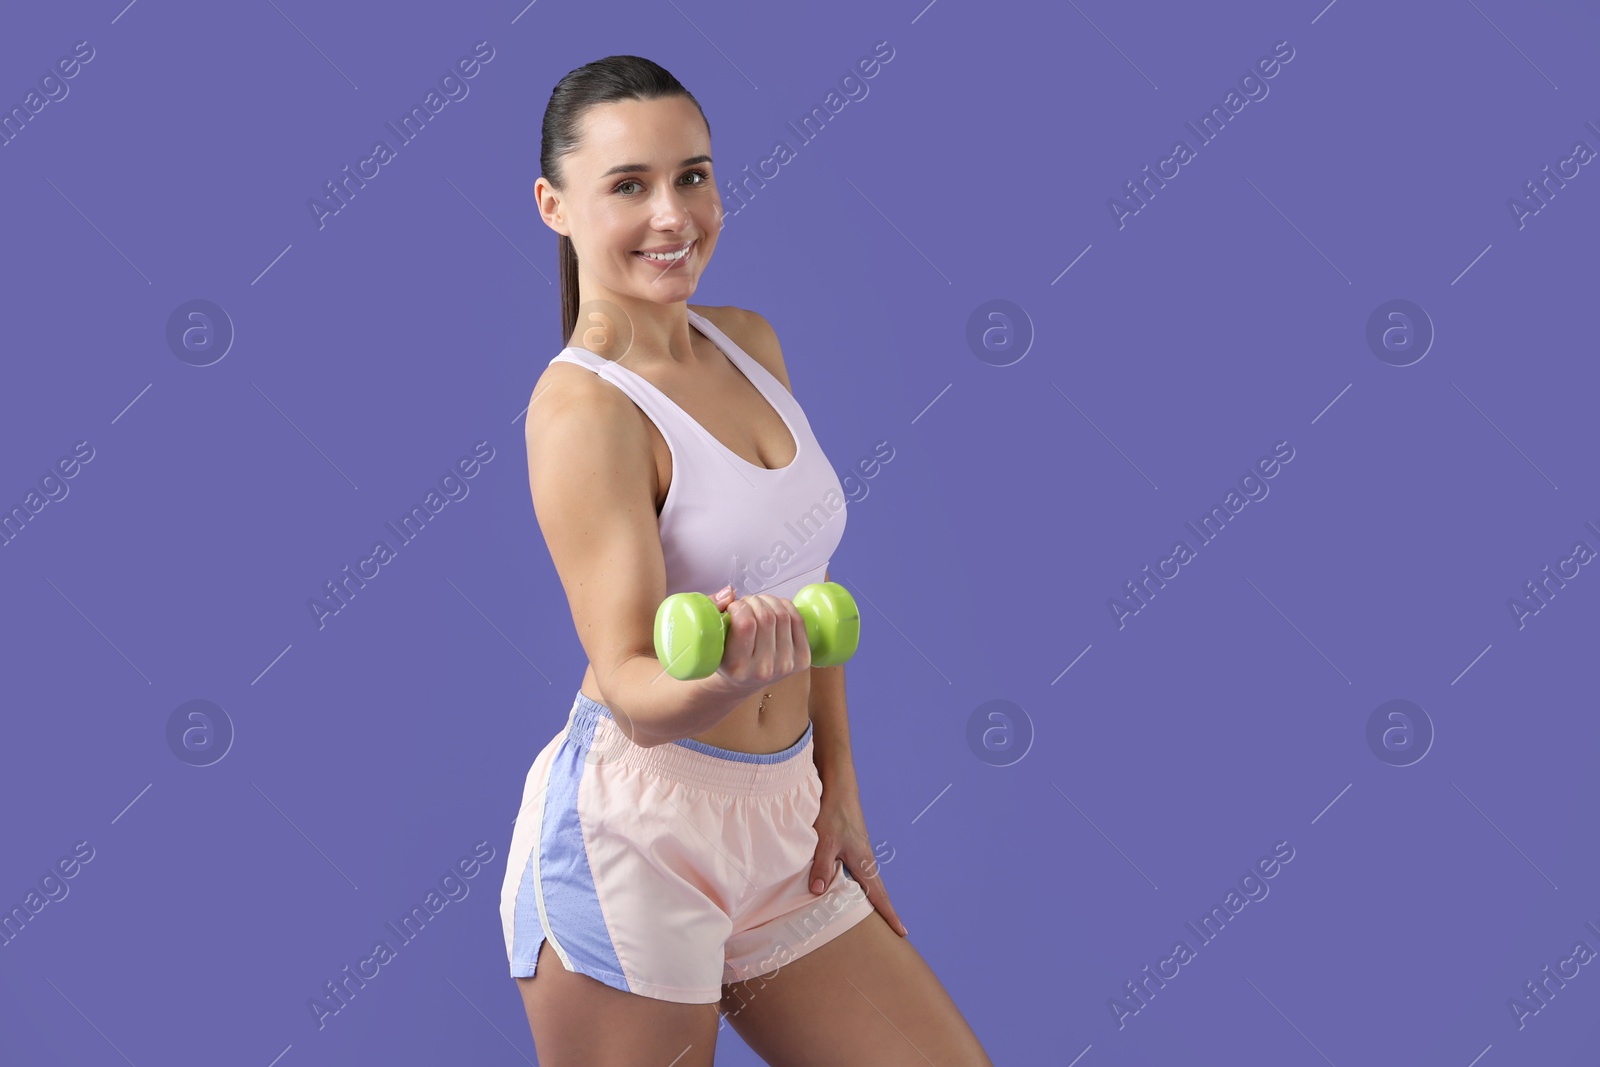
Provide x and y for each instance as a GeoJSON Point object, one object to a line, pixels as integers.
{"type": "Point", "coordinates": [601, 82]}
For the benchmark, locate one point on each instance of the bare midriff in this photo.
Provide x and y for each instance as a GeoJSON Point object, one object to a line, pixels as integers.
{"type": "Point", "coordinates": [780, 722]}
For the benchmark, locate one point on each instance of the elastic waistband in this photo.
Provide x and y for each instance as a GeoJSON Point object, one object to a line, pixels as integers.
{"type": "Point", "coordinates": [592, 729]}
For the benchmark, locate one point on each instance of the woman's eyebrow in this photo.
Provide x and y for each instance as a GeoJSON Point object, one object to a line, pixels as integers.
{"type": "Point", "coordinates": [633, 168]}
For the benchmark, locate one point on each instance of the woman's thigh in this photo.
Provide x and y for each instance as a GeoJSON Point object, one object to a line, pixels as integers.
{"type": "Point", "coordinates": [866, 997]}
{"type": "Point", "coordinates": [578, 1021]}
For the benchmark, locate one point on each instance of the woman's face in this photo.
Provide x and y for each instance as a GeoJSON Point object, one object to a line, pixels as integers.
{"type": "Point", "coordinates": [641, 181]}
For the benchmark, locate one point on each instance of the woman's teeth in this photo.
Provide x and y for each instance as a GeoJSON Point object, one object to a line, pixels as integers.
{"type": "Point", "coordinates": [667, 257]}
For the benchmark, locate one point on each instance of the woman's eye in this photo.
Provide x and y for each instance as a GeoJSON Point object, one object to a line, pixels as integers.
{"type": "Point", "coordinates": [702, 175]}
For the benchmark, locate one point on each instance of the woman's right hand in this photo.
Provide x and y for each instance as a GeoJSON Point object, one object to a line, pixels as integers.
{"type": "Point", "coordinates": [766, 639]}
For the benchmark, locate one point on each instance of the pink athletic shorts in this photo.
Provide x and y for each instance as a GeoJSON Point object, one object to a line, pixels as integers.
{"type": "Point", "coordinates": [668, 871]}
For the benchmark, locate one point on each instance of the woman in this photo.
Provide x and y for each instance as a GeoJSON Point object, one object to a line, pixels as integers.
{"type": "Point", "coordinates": [677, 856]}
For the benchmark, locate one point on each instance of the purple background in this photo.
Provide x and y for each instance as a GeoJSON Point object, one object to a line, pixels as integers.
{"type": "Point", "coordinates": [1229, 314]}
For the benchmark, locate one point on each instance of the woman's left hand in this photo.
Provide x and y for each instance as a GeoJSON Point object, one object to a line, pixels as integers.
{"type": "Point", "coordinates": [842, 834]}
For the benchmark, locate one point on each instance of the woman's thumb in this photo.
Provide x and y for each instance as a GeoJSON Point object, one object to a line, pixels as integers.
{"type": "Point", "coordinates": [820, 873]}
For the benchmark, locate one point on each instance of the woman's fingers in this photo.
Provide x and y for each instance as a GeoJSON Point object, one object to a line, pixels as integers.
{"type": "Point", "coordinates": [741, 639]}
{"type": "Point", "coordinates": [793, 628]}
{"type": "Point", "coordinates": [752, 647]}
{"type": "Point", "coordinates": [865, 870]}
{"type": "Point", "coordinates": [797, 635]}
{"type": "Point", "coordinates": [782, 645]}
{"type": "Point", "coordinates": [770, 651]}
{"type": "Point", "coordinates": [749, 652]}
{"type": "Point", "coordinates": [766, 638]}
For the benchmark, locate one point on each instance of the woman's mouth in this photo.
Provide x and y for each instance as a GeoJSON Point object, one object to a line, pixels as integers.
{"type": "Point", "coordinates": [667, 260]}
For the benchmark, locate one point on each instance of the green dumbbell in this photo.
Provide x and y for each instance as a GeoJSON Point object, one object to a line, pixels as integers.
{"type": "Point", "coordinates": [690, 631]}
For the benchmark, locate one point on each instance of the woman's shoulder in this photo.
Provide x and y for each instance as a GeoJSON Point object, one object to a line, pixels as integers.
{"type": "Point", "coordinates": [572, 390]}
{"type": "Point", "coordinates": [753, 334]}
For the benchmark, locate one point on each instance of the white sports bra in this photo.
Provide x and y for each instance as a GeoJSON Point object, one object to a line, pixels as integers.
{"type": "Point", "coordinates": [727, 520]}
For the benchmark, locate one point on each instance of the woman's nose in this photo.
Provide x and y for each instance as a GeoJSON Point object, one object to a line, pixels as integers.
{"type": "Point", "coordinates": [670, 209]}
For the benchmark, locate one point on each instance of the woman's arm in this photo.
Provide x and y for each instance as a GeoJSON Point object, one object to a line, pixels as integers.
{"type": "Point", "coordinates": [831, 730]}
{"type": "Point", "coordinates": [841, 827]}
{"type": "Point", "coordinates": [593, 485]}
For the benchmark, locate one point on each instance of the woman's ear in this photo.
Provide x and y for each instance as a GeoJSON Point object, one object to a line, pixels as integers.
{"type": "Point", "coordinates": [548, 201]}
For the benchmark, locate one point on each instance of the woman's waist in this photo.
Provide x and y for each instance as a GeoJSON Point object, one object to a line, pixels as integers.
{"type": "Point", "coordinates": [773, 728]}
{"type": "Point", "coordinates": [761, 724]}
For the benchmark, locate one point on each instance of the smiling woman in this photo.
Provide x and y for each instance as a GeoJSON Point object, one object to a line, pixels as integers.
{"type": "Point", "coordinates": [684, 842]}
{"type": "Point", "coordinates": [607, 108]}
